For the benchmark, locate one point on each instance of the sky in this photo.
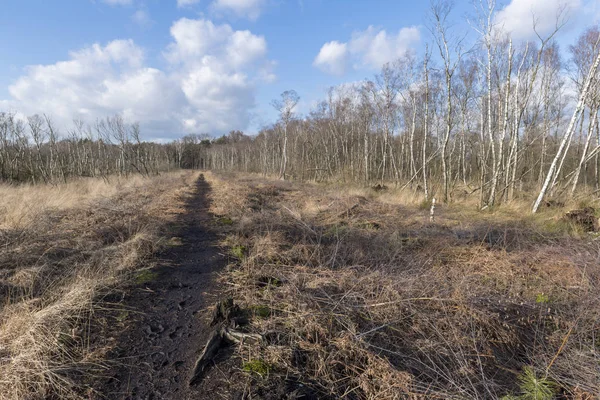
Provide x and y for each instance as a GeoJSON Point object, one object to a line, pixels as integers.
{"type": "Point", "coordinates": [211, 66]}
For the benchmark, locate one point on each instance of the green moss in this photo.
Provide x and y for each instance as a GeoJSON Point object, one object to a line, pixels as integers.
{"type": "Point", "coordinates": [145, 276]}
{"type": "Point", "coordinates": [261, 311]}
{"type": "Point", "coordinates": [257, 366]}
{"type": "Point", "coordinates": [123, 315]}
{"type": "Point", "coordinates": [224, 221]}
{"type": "Point", "coordinates": [239, 251]}
{"type": "Point", "coordinates": [542, 298]}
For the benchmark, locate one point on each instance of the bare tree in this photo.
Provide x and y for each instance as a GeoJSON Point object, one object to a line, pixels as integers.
{"type": "Point", "coordinates": [450, 50]}
{"type": "Point", "coordinates": [285, 106]}
{"type": "Point", "coordinates": [554, 170]}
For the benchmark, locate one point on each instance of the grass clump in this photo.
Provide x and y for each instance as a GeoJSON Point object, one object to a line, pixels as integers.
{"type": "Point", "coordinates": [239, 251]}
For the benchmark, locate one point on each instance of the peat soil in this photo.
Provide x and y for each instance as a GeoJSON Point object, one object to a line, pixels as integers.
{"type": "Point", "coordinates": [169, 323]}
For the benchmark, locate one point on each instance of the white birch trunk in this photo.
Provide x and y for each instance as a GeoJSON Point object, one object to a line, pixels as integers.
{"type": "Point", "coordinates": [566, 138]}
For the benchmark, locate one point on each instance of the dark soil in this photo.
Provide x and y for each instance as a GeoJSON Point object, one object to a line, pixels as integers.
{"type": "Point", "coordinates": [169, 325]}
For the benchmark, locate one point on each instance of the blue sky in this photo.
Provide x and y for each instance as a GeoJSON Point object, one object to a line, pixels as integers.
{"type": "Point", "coordinates": [191, 66]}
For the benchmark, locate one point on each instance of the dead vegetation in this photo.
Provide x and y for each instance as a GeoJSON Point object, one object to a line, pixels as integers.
{"type": "Point", "coordinates": [357, 295]}
{"type": "Point", "coordinates": [62, 249]}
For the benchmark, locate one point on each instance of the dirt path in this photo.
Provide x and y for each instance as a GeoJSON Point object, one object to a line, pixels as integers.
{"type": "Point", "coordinates": [155, 356]}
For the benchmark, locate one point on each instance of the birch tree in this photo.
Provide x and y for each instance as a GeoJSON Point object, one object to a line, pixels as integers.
{"type": "Point", "coordinates": [285, 106]}
{"type": "Point", "coordinates": [553, 170]}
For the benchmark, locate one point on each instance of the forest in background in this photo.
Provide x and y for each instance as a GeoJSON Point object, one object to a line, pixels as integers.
{"type": "Point", "coordinates": [497, 118]}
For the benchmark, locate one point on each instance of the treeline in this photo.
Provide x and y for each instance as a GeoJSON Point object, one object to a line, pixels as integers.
{"type": "Point", "coordinates": [500, 119]}
{"type": "Point", "coordinates": [33, 151]}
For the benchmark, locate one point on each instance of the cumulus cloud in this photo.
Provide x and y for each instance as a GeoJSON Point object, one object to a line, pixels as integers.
{"type": "Point", "coordinates": [95, 82]}
{"type": "Point", "coordinates": [195, 38]}
{"type": "Point", "coordinates": [209, 86]}
{"type": "Point", "coordinates": [332, 58]}
{"type": "Point", "coordinates": [375, 48]}
{"type": "Point", "coordinates": [198, 40]}
{"type": "Point", "coordinates": [250, 9]}
{"type": "Point", "coordinates": [217, 70]}
{"type": "Point", "coordinates": [369, 49]}
{"type": "Point", "coordinates": [519, 15]}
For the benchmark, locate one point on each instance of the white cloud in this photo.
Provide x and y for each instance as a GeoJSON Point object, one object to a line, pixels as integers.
{"type": "Point", "coordinates": [195, 38]}
{"type": "Point", "coordinates": [243, 47]}
{"type": "Point", "coordinates": [370, 49]}
{"type": "Point", "coordinates": [210, 86]}
{"type": "Point", "coordinates": [332, 58]}
{"type": "Point", "coordinates": [96, 81]}
{"type": "Point", "coordinates": [518, 16]}
{"type": "Point", "coordinates": [376, 48]}
{"type": "Point", "coordinates": [218, 68]}
{"type": "Point", "coordinates": [250, 9]}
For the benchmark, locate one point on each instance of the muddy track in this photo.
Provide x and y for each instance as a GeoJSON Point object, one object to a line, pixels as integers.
{"type": "Point", "coordinates": [155, 356]}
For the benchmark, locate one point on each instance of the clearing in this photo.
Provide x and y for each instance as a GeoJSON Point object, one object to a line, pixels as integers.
{"type": "Point", "coordinates": [323, 292]}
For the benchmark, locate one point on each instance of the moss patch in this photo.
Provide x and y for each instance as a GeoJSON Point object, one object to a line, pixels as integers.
{"type": "Point", "coordinates": [542, 298]}
{"type": "Point", "coordinates": [261, 311]}
{"type": "Point", "coordinates": [224, 221]}
{"type": "Point", "coordinates": [239, 251]}
{"type": "Point", "coordinates": [145, 276]}
{"type": "Point", "coordinates": [258, 367]}
{"type": "Point", "coordinates": [123, 315]}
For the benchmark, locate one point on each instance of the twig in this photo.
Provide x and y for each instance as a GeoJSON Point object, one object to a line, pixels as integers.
{"type": "Point", "coordinates": [406, 300]}
{"type": "Point", "coordinates": [562, 346]}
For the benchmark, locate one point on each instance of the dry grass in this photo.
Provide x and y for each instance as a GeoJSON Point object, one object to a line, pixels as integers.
{"type": "Point", "coordinates": [61, 249]}
{"type": "Point", "coordinates": [360, 297]}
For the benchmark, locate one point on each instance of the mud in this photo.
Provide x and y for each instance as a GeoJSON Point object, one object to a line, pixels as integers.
{"type": "Point", "coordinates": [169, 325]}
